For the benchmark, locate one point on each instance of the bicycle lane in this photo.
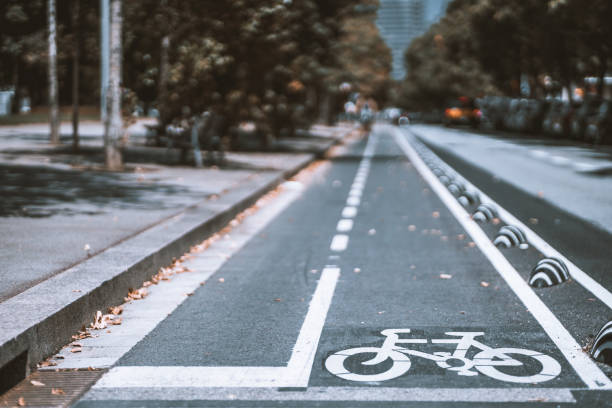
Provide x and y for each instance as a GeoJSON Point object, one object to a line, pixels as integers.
{"type": "Point", "coordinates": [412, 266]}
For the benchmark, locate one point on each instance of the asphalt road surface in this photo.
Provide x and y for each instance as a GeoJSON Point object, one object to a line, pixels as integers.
{"type": "Point", "coordinates": [364, 285]}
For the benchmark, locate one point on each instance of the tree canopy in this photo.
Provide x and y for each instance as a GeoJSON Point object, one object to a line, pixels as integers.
{"type": "Point", "coordinates": [489, 46]}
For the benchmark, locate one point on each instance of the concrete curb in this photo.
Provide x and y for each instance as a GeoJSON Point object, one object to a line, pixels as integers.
{"type": "Point", "coordinates": [39, 321]}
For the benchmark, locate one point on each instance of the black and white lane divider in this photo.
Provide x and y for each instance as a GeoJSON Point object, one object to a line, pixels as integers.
{"type": "Point", "coordinates": [582, 364]}
{"type": "Point", "coordinates": [602, 346]}
{"type": "Point", "coordinates": [549, 272]}
{"type": "Point", "coordinates": [456, 188]}
{"type": "Point", "coordinates": [484, 213]}
{"type": "Point", "coordinates": [510, 236]}
{"type": "Point", "coordinates": [469, 198]}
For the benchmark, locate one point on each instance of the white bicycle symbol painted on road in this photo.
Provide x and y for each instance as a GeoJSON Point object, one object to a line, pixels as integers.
{"type": "Point", "coordinates": [487, 361]}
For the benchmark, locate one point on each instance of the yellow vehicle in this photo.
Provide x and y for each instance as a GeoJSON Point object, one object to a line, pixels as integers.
{"type": "Point", "coordinates": [462, 111]}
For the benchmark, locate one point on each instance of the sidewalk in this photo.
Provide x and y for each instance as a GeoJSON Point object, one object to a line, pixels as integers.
{"type": "Point", "coordinates": [76, 238]}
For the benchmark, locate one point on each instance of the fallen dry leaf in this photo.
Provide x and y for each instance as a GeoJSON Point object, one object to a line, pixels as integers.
{"type": "Point", "coordinates": [461, 237]}
{"type": "Point", "coordinates": [357, 270]}
{"type": "Point", "coordinates": [86, 247]}
{"type": "Point", "coordinates": [116, 322]}
{"type": "Point", "coordinates": [99, 323]}
{"type": "Point", "coordinates": [496, 221]}
{"type": "Point", "coordinates": [435, 214]}
{"type": "Point", "coordinates": [76, 349]}
{"type": "Point", "coordinates": [21, 402]}
{"type": "Point", "coordinates": [533, 221]}
{"type": "Point", "coordinates": [484, 284]}
{"type": "Point", "coordinates": [136, 294]}
{"type": "Point", "coordinates": [116, 310]}
{"type": "Point", "coordinates": [313, 271]}
{"type": "Point", "coordinates": [445, 276]}
{"type": "Point", "coordinates": [372, 231]}
{"type": "Point", "coordinates": [221, 280]}
{"type": "Point", "coordinates": [412, 228]}
{"type": "Point", "coordinates": [471, 244]}
{"type": "Point", "coordinates": [48, 364]}
{"type": "Point", "coordinates": [278, 300]}
{"type": "Point", "coordinates": [37, 383]}
{"type": "Point", "coordinates": [57, 391]}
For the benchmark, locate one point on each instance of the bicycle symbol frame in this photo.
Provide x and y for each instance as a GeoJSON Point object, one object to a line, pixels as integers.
{"type": "Point", "coordinates": [485, 362]}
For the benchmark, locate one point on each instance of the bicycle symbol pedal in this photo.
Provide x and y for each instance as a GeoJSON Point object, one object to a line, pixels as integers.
{"type": "Point", "coordinates": [487, 361]}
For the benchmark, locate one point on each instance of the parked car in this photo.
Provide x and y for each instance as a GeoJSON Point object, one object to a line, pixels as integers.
{"type": "Point", "coordinates": [557, 121]}
{"type": "Point", "coordinates": [588, 109]}
{"type": "Point", "coordinates": [493, 111]}
{"type": "Point", "coordinates": [599, 126]}
{"type": "Point", "coordinates": [462, 111]}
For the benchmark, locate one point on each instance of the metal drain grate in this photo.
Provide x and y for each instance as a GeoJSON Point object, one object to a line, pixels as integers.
{"type": "Point", "coordinates": [60, 389]}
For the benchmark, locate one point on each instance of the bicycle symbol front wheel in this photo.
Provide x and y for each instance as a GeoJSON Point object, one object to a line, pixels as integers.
{"type": "Point", "coordinates": [335, 364]}
{"type": "Point", "coordinates": [485, 363]}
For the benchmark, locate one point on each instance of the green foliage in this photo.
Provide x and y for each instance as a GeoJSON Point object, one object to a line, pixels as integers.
{"type": "Point", "coordinates": [486, 46]}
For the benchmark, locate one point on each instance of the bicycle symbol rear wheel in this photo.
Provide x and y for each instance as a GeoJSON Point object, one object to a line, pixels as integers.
{"type": "Point", "coordinates": [485, 363]}
{"type": "Point", "coordinates": [335, 365]}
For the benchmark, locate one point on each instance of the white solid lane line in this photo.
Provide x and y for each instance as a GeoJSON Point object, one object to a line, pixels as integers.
{"type": "Point", "coordinates": [586, 369]}
{"type": "Point", "coordinates": [295, 374]}
{"type": "Point", "coordinates": [545, 248]}
{"type": "Point", "coordinates": [371, 394]}
{"type": "Point", "coordinates": [141, 317]}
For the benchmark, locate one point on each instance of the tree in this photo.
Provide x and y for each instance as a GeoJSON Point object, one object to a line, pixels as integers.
{"type": "Point", "coordinates": [75, 73]}
{"type": "Point", "coordinates": [53, 85]}
{"type": "Point", "coordinates": [113, 128]}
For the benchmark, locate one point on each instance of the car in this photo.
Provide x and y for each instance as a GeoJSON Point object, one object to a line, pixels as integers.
{"type": "Point", "coordinates": [461, 111]}
{"type": "Point", "coordinates": [588, 109]}
{"type": "Point", "coordinates": [557, 120]}
{"type": "Point", "coordinates": [599, 126]}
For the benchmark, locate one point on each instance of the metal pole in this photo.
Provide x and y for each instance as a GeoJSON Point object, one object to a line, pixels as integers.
{"type": "Point", "coordinates": [104, 55]}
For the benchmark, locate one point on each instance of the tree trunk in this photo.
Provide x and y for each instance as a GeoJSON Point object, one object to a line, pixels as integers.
{"type": "Point", "coordinates": [113, 128]}
{"type": "Point", "coordinates": [603, 70]}
{"type": "Point", "coordinates": [75, 75]}
{"type": "Point", "coordinates": [164, 68]}
{"type": "Point", "coordinates": [53, 91]}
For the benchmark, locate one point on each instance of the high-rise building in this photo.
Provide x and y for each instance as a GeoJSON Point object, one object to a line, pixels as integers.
{"type": "Point", "coordinates": [400, 21]}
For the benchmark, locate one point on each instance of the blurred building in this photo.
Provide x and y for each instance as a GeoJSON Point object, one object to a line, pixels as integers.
{"type": "Point", "coordinates": [400, 21]}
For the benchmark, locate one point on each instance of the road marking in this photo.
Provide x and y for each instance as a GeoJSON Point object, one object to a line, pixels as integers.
{"type": "Point", "coordinates": [344, 225]}
{"type": "Point", "coordinates": [541, 245]}
{"type": "Point", "coordinates": [483, 362]}
{"type": "Point", "coordinates": [586, 369]}
{"type": "Point", "coordinates": [349, 212]}
{"type": "Point", "coordinates": [370, 394]}
{"type": "Point", "coordinates": [353, 201]}
{"type": "Point", "coordinates": [339, 242]}
{"type": "Point", "coordinates": [141, 317]}
{"type": "Point", "coordinates": [295, 374]}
